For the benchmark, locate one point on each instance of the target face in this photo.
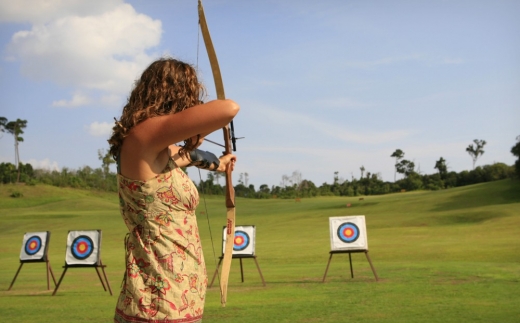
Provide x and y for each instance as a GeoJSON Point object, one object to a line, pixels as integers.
{"type": "Point", "coordinates": [83, 247]}
{"type": "Point", "coordinates": [348, 233]}
{"type": "Point", "coordinates": [244, 240]}
{"type": "Point", "coordinates": [241, 241]}
{"type": "Point", "coordinates": [34, 246]}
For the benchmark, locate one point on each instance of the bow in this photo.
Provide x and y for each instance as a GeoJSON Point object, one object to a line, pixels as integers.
{"type": "Point", "coordinates": [229, 140]}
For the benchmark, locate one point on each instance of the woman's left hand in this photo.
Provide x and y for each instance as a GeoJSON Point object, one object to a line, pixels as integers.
{"type": "Point", "coordinates": [227, 161]}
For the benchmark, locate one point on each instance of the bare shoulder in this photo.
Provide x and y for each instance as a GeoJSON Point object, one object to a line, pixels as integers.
{"type": "Point", "coordinates": [139, 163]}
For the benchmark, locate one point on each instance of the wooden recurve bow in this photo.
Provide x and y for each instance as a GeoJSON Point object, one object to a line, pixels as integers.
{"type": "Point", "coordinates": [229, 140]}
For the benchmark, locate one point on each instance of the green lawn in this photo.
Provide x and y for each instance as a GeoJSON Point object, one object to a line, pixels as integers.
{"type": "Point", "coordinates": [442, 256]}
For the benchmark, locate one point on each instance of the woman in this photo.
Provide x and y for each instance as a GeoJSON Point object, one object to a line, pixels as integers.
{"type": "Point", "coordinates": [165, 278]}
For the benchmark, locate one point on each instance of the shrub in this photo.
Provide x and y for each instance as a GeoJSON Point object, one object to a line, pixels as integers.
{"type": "Point", "coordinates": [16, 194]}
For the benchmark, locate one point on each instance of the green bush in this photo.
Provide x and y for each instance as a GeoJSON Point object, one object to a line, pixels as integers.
{"type": "Point", "coordinates": [16, 194]}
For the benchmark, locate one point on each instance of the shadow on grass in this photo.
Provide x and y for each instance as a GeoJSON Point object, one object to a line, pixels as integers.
{"type": "Point", "coordinates": [500, 192]}
{"type": "Point", "coordinates": [466, 218]}
{"type": "Point", "coordinates": [344, 206]}
{"type": "Point", "coordinates": [459, 218]}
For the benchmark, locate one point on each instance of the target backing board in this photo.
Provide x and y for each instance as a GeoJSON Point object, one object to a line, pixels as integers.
{"type": "Point", "coordinates": [83, 248]}
{"type": "Point", "coordinates": [34, 246]}
{"type": "Point", "coordinates": [348, 233]}
{"type": "Point", "coordinates": [244, 243]}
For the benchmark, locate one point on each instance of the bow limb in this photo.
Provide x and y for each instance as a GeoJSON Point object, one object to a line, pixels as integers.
{"type": "Point", "coordinates": [230, 192]}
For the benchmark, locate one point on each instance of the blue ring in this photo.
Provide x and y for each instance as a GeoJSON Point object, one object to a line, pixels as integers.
{"type": "Point", "coordinates": [348, 225]}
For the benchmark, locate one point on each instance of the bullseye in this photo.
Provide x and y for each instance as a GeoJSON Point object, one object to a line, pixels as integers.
{"type": "Point", "coordinates": [82, 247]}
{"type": "Point", "coordinates": [33, 245]}
{"type": "Point", "coordinates": [348, 232]}
{"type": "Point", "coordinates": [241, 241]}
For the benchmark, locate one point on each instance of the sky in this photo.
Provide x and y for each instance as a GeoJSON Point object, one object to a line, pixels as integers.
{"type": "Point", "coordinates": [324, 86]}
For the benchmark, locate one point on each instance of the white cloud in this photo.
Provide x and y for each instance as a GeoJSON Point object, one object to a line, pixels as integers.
{"type": "Point", "coordinates": [44, 164]}
{"type": "Point", "coordinates": [77, 100]}
{"type": "Point", "coordinates": [82, 99]}
{"type": "Point", "coordinates": [102, 51]}
{"type": "Point", "coordinates": [112, 100]}
{"type": "Point", "coordinates": [99, 129]}
{"type": "Point", "coordinates": [44, 11]}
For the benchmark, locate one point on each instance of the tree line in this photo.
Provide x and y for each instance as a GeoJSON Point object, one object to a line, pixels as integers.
{"type": "Point", "coordinates": [291, 186]}
{"type": "Point", "coordinates": [369, 184]}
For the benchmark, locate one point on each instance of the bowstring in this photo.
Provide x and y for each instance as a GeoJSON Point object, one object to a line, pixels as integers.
{"type": "Point", "coordinates": [209, 227]}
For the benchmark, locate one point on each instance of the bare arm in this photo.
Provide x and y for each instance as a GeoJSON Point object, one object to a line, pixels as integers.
{"type": "Point", "coordinates": [145, 150]}
{"type": "Point", "coordinates": [157, 133]}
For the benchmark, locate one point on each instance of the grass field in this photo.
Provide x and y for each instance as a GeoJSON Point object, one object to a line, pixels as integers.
{"type": "Point", "coordinates": [442, 256]}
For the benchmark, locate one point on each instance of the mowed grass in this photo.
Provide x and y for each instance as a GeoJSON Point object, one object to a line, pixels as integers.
{"type": "Point", "coordinates": [443, 256]}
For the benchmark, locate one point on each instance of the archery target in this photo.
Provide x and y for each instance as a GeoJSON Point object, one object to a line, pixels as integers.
{"type": "Point", "coordinates": [244, 241]}
{"type": "Point", "coordinates": [83, 247]}
{"type": "Point", "coordinates": [34, 246]}
{"type": "Point", "coordinates": [348, 233]}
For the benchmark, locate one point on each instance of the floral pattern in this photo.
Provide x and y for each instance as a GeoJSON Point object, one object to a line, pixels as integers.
{"type": "Point", "coordinates": [165, 278]}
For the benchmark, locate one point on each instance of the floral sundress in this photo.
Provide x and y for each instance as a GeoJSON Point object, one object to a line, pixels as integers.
{"type": "Point", "coordinates": [165, 279]}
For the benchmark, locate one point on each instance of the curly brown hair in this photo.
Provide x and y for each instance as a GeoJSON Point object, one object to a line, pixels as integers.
{"type": "Point", "coordinates": [166, 86]}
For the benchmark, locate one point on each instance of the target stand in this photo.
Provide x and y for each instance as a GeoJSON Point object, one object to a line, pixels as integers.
{"type": "Point", "coordinates": [84, 250]}
{"type": "Point", "coordinates": [348, 235]}
{"type": "Point", "coordinates": [243, 248]}
{"type": "Point", "coordinates": [34, 249]}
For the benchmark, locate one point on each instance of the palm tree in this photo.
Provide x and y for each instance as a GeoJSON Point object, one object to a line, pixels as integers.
{"type": "Point", "coordinates": [106, 161]}
{"type": "Point", "coordinates": [476, 151]}
{"type": "Point", "coordinates": [3, 123]}
{"type": "Point", "coordinates": [398, 154]}
{"type": "Point", "coordinates": [16, 129]}
{"type": "Point", "coordinates": [441, 166]}
{"type": "Point", "coordinates": [405, 167]}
